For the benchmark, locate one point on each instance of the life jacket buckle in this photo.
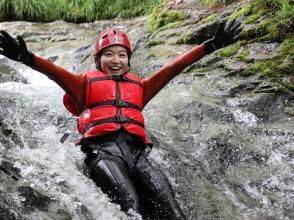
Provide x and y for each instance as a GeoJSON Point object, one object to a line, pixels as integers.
{"type": "Point", "coordinates": [121, 104]}
{"type": "Point", "coordinates": [122, 119]}
{"type": "Point", "coordinates": [117, 77]}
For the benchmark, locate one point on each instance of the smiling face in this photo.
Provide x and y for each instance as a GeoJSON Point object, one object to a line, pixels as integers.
{"type": "Point", "coordinates": [114, 60]}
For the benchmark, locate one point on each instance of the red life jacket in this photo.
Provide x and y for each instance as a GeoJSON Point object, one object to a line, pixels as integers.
{"type": "Point", "coordinates": [112, 102]}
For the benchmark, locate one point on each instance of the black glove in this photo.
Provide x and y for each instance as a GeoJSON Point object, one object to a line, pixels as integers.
{"type": "Point", "coordinates": [225, 35]}
{"type": "Point", "coordinates": [15, 49]}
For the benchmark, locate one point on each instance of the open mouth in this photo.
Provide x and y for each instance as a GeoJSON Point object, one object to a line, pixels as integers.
{"type": "Point", "coordinates": [114, 68]}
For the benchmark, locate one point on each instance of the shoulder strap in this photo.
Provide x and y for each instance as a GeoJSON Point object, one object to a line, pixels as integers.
{"type": "Point", "coordinates": [118, 78]}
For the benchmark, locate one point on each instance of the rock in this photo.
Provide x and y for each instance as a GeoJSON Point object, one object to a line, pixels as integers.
{"type": "Point", "coordinates": [9, 169]}
{"type": "Point", "coordinates": [267, 107]}
{"type": "Point", "coordinates": [34, 199]}
{"type": "Point", "coordinates": [8, 73]}
{"type": "Point", "coordinates": [217, 133]}
{"type": "Point", "coordinates": [261, 51]}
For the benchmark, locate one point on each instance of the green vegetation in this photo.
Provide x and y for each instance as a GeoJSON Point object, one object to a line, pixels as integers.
{"type": "Point", "coordinates": [162, 16]}
{"type": "Point", "coordinates": [73, 10]}
{"type": "Point", "coordinates": [209, 18]}
{"type": "Point", "coordinates": [154, 43]}
{"type": "Point", "coordinates": [275, 19]}
{"type": "Point", "coordinates": [244, 56]}
{"type": "Point", "coordinates": [215, 3]}
{"type": "Point", "coordinates": [279, 66]}
{"type": "Point", "coordinates": [229, 51]}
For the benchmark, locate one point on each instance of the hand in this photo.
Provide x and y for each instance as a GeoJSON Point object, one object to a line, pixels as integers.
{"type": "Point", "coordinates": [15, 49]}
{"type": "Point", "coordinates": [225, 35]}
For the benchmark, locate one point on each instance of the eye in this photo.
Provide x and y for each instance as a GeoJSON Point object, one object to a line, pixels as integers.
{"type": "Point", "coordinates": [107, 54]}
{"type": "Point", "coordinates": [122, 55]}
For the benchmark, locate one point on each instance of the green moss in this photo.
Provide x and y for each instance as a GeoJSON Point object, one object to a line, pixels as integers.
{"type": "Point", "coordinates": [289, 84]}
{"type": "Point", "coordinates": [254, 17]}
{"type": "Point", "coordinates": [277, 20]}
{"type": "Point", "coordinates": [161, 17]}
{"type": "Point", "coordinates": [184, 40]}
{"type": "Point", "coordinates": [244, 11]}
{"type": "Point", "coordinates": [175, 34]}
{"type": "Point", "coordinates": [202, 69]}
{"type": "Point", "coordinates": [244, 56]}
{"type": "Point", "coordinates": [154, 43]}
{"type": "Point", "coordinates": [173, 25]}
{"type": "Point", "coordinates": [197, 70]}
{"type": "Point", "coordinates": [287, 47]}
{"type": "Point", "coordinates": [209, 18]}
{"type": "Point", "coordinates": [279, 66]}
{"type": "Point", "coordinates": [216, 3]}
{"type": "Point", "coordinates": [229, 51]}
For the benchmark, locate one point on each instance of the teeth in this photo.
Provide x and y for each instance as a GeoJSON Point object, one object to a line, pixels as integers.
{"type": "Point", "coordinates": [114, 68]}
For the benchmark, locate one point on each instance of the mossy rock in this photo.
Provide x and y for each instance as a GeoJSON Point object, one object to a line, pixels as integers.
{"type": "Point", "coordinates": [272, 23]}
{"type": "Point", "coordinates": [154, 43]}
{"type": "Point", "coordinates": [198, 34]}
{"type": "Point", "coordinates": [162, 16]}
{"type": "Point", "coordinates": [278, 67]}
{"type": "Point", "coordinates": [229, 51]}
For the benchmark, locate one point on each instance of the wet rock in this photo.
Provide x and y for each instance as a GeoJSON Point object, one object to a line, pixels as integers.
{"type": "Point", "coordinates": [220, 165]}
{"type": "Point", "coordinates": [260, 51]}
{"type": "Point", "coordinates": [7, 212]}
{"type": "Point", "coordinates": [9, 73]}
{"type": "Point", "coordinates": [232, 64]}
{"type": "Point", "coordinates": [230, 151]}
{"type": "Point", "coordinates": [268, 107]}
{"type": "Point", "coordinates": [34, 199]}
{"type": "Point", "coordinates": [243, 88]}
{"type": "Point", "coordinates": [198, 34]}
{"type": "Point", "coordinates": [9, 169]}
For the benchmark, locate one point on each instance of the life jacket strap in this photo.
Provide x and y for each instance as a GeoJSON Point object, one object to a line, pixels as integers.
{"type": "Point", "coordinates": [116, 119]}
{"type": "Point", "coordinates": [117, 78]}
{"type": "Point", "coordinates": [117, 103]}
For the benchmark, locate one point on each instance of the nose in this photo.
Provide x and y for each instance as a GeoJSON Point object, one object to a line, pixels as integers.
{"type": "Point", "coordinates": [115, 59]}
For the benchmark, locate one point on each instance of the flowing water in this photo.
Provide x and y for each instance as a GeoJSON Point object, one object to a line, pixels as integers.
{"type": "Point", "coordinates": [227, 157]}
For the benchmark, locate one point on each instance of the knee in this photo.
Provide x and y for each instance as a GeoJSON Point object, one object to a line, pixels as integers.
{"type": "Point", "coordinates": [128, 199]}
{"type": "Point", "coordinates": [113, 179]}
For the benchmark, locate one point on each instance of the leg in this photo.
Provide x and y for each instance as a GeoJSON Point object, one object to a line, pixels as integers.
{"type": "Point", "coordinates": [112, 176]}
{"type": "Point", "coordinates": [155, 185]}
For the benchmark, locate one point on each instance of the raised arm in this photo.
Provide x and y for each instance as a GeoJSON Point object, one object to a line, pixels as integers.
{"type": "Point", "coordinates": [16, 49]}
{"type": "Point", "coordinates": [153, 84]}
{"type": "Point", "coordinates": [73, 85]}
{"type": "Point", "coordinates": [225, 35]}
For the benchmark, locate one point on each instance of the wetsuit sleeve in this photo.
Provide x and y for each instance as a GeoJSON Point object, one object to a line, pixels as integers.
{"type": "Point", "coordinates": [153, 84]}
{"type": "Point", "coordinates": [73, 85]}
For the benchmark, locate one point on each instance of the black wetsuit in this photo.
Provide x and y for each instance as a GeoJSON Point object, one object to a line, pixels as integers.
{"type": "Point", "coordinates": [118, 164]}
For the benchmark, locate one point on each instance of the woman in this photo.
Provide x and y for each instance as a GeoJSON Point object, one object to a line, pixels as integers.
{"type": "Point", "coordinates": [109, 102]}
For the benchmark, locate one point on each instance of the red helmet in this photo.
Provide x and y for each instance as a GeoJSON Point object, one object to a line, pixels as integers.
{"type": "Point", "coordinates": [110, 38]}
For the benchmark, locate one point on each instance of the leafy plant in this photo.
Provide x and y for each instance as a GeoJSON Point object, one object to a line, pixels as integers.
{"type": "Point", "coordinates": [73, 10]}
{"type": "Point", "coordinates": [29, 9]}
